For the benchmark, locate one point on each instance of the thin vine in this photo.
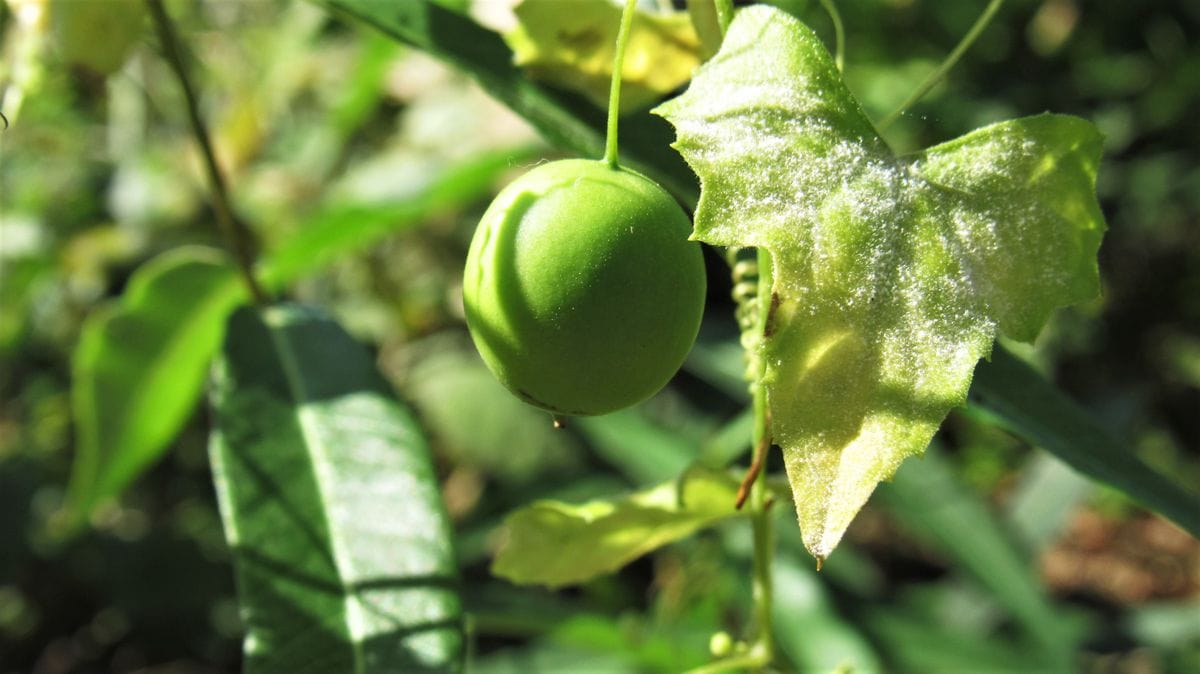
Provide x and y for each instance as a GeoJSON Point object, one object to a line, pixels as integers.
{"type": "Point", "coordinates": [937, 75]}
{"type": "Point", "coordinates": [238, 237]}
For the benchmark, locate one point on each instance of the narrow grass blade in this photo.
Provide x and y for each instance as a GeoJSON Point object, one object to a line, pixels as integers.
{"type": "Point", "coordinates": [1029, 406]}
{"type": "Point", "coordinates": [929, 500]}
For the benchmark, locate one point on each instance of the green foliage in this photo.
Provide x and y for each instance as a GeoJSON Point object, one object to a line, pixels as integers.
{"type": "Point", "coordinates": [340, 540]}
{"type": "Point", "coordinates": [97, 35]}
{"type": "Point", "coordinates": [1023, 402]}
{"type": "Point", "coordinates": [140, 367]}
{"type": "Point", "coordinates": [926, 497]}
{"type": "Point", "coordinates": [334, 138]}
{"type": "Point", "coordinates": [554, 544]}
{"type": "Point", "coordinates": [892, 275]}
{"type": "Point", "coordinates": [567, 121]}
{"type": "Point", "coordinates": [571, 45]}
{"type": "Point", "coordinates": [340, 228]}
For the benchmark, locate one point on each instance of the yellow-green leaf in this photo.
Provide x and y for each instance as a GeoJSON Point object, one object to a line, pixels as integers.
{"type": "Point", "coordinates": [892, 275]}
{"type": "Point", "coordinates": [554, 544]}
{"type": "Point", "coordinates": [571, 44]}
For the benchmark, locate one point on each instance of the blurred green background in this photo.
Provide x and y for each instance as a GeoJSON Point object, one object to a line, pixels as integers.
{"type": "Point", "coordinates": [97, 175]}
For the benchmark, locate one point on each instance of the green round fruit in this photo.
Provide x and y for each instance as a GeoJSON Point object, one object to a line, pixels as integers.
{"type": "Point", "coordinates": [582, 291]}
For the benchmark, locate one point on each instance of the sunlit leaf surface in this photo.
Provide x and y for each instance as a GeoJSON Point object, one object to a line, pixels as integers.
{"type": "Point", "coordinates": [555, 544]}
{"type": "Point", "coordinates": [140, 367]}
{"type": "Point", "coordinates": [341, 544]}
{"type": "Point", "coordinates": [571, 44]}
{"type": "Point", "coordinates": [893, 274]}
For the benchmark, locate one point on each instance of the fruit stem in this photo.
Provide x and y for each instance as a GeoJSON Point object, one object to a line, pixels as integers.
{"type": "Point", "coordinates": [238, 237]}
{"type": "Point", "coordinates": [937, 75]}
{"type": "Point", "coordinates": [614, 93]}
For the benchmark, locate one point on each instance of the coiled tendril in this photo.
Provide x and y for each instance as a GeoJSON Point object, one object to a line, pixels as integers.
{"type": "Point", "coordinates": [743, 266]}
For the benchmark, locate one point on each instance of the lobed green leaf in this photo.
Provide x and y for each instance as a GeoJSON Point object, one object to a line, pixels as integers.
{"type": "Point", "coordinates": [892, 275]}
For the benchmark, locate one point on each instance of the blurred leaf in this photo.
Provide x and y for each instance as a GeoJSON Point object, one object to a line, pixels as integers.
{"type": "Point", "coordinates": [97, 35]}
{"type": "Point", "coordinates": [22, 70]}
{"type": "Point", "coordinates": [1165, 624]}
{"type": "Point", "coordinates": [343, 228]}
{"type": "Point", "coordinates": [893, 275]}
{"type": "Point", "coordinates": [572, 45]}
{"type": "Point", "coordinates": [140, 366]}
{"type": "Point", "coordinates": [1032, 408]}
{"type": "Point", "coordinates": [1047, 493]}
{"type": "Point", "coordinates": [722, 364]}
{"type": "Point", "coordinates": [341, 543]}
{"type": "Point", "coordinates": [918, 647]}
{"type": "Point", "coordinates": [477, 421]}
{"type": "Point", "coordinates": [927, 498]}
{"type": "Point", "coordinates": [807, 626]}
{"type": "Point", "coordinates": [555, 544]}
{"type": "Point", "coordinates": [543, 657]}
{"type": "Point", "coordinates": [729, 441]}
{"type": "Point", "coordinates": [564, 119]}
{"type": "Point", "coordinates": [642, 450]}
{"type": "Point", "coordinates": [643, 642]}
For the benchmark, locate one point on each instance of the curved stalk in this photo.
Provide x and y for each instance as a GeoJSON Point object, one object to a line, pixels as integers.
{"type": "Point", "coordinates": [937, 75]}
{"type": "Point", "coordinates": [614, 92]}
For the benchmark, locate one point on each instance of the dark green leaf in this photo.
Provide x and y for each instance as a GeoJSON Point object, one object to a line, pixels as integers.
{"type": "Point", "coordinates": [1030, 407]}
{"type": "Point", "coordinates": [554, 544]}
{"type": "Point", "coordinates": [341, 544]}
{"type": "Point", "coordinates": [140, 367]}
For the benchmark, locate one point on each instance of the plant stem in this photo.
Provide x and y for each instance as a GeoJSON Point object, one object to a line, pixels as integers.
{"type": "Point", "coordinates": [936, 76]}
{"type": "Point", "coordinates": [237, 236]}
{"type": "Point", "coordinates": [614, 93]}
{"type": "Point", "coordinates": [839, 34]}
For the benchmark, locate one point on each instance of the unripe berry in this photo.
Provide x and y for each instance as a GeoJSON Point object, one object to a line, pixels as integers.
{"type": "Point", "coordinates": [582, 291]}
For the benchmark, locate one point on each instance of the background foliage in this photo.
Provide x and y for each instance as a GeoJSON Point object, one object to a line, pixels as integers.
{"type": "Point", "coordinates": [1017, 561]}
